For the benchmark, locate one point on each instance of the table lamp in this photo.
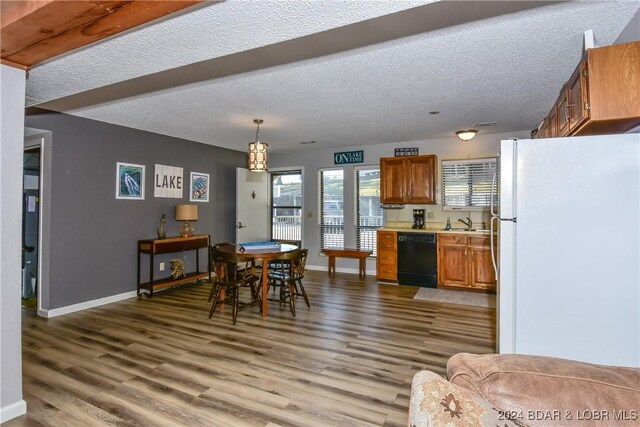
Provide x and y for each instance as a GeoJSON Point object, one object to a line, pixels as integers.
{"type": "Point", "coordinates": [186, 213]}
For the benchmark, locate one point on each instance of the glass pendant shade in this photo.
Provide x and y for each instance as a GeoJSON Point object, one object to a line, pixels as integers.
{"type": "Point", "coordinates": [258, 151]}
{"type": "Point", "coordinates": [466, 135]}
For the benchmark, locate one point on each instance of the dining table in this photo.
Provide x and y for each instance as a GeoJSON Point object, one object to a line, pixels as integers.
{"type": "Point", "coordinates": [263, 254]}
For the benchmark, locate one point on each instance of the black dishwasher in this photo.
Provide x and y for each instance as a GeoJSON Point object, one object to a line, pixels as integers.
{"type": "Point", "coordinates": [417, 259]}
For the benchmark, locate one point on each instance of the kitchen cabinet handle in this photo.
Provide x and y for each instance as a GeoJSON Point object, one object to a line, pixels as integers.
{"type": "Point", "coordinates": [493, 188]}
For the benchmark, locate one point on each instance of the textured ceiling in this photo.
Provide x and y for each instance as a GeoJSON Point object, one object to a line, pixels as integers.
{"type": "Point", "coordinates": [505, 66]}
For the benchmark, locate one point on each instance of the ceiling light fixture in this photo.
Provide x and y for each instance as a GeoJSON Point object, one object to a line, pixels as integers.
{"type": "Point", "coordinates": [258, 151]}
{"type": "Point", "coordinates": [466, 135]}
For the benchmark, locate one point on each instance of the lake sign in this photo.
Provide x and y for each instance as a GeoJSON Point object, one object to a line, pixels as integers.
{"type": "Point", "coordinates": [346, 157]}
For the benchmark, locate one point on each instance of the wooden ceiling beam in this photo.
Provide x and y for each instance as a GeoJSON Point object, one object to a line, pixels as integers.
{"type": "Point", "coordinates": [34, 31]}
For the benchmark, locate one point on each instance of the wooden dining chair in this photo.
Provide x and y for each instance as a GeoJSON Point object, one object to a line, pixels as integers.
{"type": "Point", "coordinates": [275, 264]}
{"type": "Point", "coordinates": [288, 278]}
{"type": "Point", "coordinates": [298, 275]}
{"type": "Point", "coordinates": [233, 272]}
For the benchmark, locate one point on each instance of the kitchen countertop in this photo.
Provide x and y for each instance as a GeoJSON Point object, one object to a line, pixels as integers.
{"type": "Point", "coordinates": [435, 230]}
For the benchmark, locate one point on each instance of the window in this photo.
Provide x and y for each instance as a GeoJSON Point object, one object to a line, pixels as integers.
{"type": "Point", "coordinates": [286, 205]}
{"type": "Point", "coordinates": [368, 211]}
{"type": "Point", "coordinates": [467, 183]}
{"type": "Point", "coordinates": [331, 218]}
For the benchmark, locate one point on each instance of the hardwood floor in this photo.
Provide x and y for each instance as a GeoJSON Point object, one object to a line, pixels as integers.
{"type": "Point", "coordinates": [348, 360]}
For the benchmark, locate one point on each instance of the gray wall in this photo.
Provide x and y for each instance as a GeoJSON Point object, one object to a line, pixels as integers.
{"type": "Point", "coordinates": [631, 32]}
{"type": "Point", "coordinates": [93, 236]}
{"type": "Point", "coordinates": [12, 81]}
{"type": "Point", "coordinates": [312, 158]}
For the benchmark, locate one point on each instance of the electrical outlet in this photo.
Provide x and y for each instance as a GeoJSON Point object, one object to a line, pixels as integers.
{"type": "Point", "coordinates": [162, 266]}
{"type": "Point", "coordinates": [429, 215]}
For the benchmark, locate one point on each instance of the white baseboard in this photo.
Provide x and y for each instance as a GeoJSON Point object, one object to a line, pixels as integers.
{"type": "Point", "coordinates": [339, 270]}
{"type": "Point", "coordinates": [16, 409]}
{"type": "Point", "coordinates": [85, 305]}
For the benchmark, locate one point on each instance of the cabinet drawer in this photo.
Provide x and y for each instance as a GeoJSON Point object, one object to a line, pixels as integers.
{"type": "Point", "coordinates": [388, 272]}
{"type": "Point", "coordinates": [387, 236]}
{"type": "Point", "coordinates": [452, 239]}
{"type": "Point", "coordinates": [479, 241]}
{"type": "Point", "coordinates": [387, 257]}
{"type": "Point", "coordinates": [387, 246]}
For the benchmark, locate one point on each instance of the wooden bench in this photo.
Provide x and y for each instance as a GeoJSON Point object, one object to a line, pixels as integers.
{"type": "Point", "coordinates": [347, 253]}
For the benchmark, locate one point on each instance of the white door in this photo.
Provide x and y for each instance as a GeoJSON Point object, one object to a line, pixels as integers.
{"type": "Point", "coordinates": [252, 206]}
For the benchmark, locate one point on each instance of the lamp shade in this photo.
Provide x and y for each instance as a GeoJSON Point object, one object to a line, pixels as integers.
{"type": "Point", "coordinates": [258, 151]}
{"type": "Point", "coordinates": [187, 212]}
{"type": "Point", "coordinates": [258, 156]}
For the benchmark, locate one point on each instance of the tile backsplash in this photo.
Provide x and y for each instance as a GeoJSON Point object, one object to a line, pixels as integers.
{"type": "Point", "coordinates": [404, 216]}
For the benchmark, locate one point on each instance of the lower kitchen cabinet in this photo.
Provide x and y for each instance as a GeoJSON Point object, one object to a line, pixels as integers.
{"type": "Point", "coordinates": [465, 261]}
{"type": "Point", "coordinates": [453, 260]}
{"type": "Point", "coordinates": [387, 259]}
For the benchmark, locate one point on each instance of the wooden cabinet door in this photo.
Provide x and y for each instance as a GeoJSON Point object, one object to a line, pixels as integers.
{"type": "Point", "coordinates": [421, 177]}
{"type": "Point", "coordinates": [543, 130]}
{"type": "Point", "coordinates": [453, 265]}
{"type": "Point", "coordinates": [553, 122]}
{"type": "Point", "coordinates": [482, 272]}
{"type": "Point", "coordinates": [578, 97]}
{"type": "Point", "coordinates": [562, 108]}
{"type": "Point", "coordinates": [392, 180]}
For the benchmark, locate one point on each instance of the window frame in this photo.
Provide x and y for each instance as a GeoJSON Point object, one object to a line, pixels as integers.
{"type": "Point", "coordinates": [356, 204]}
{"type": "Point", "coordinates": [467, 207]}
{"type": "Point", "coordinates": [320, 207]}
{"type": "Point", "coordinates": [286, 171]}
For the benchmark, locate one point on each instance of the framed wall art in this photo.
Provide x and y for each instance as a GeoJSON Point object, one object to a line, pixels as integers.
{"type": "Point", "coordinates": [167, 182]}
{"type": "Point", "coordinates": [199, 187]}
{"type": "Point", "coordinates": [129, 181]}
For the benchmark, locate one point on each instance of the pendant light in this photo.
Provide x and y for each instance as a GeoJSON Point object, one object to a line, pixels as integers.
{"type": "Point", "coordinates": [258, 151]}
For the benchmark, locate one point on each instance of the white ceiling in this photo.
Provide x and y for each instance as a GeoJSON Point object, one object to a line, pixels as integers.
{"type": "Point", "coordinates": [341, 73]}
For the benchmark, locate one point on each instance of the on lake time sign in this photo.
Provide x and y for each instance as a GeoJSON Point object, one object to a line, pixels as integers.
{"type": "Point", "coordinates": [346, 157]}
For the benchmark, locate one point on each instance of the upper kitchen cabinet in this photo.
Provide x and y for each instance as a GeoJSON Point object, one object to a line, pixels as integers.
{"type": "Point", "coordinates": [602, 96]}
{"type": "Point", "coordinates": [392, 179]}
{"type": "Point", "coordinates": [408, 180]}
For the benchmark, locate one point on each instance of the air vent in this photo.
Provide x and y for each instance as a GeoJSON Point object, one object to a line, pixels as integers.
{"type": "Point", "coordinates": [484, 124]}
{"type": "Point", "coordinates": [308, 142]}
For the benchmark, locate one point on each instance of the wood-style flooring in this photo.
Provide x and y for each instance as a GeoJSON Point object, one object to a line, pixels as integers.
{"type": "Point", "coordinates": [347, 361]}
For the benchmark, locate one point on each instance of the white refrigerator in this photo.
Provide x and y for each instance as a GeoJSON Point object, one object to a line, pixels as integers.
{"type": "Point", "coordinates": [568, 254]}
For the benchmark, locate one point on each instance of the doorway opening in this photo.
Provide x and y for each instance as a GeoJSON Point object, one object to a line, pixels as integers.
{"type": "Point", "coordinates": [30, 227]}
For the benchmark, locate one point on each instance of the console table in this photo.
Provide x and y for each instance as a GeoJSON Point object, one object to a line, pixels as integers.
{"type": "Point", "coordinates": [153, 247]}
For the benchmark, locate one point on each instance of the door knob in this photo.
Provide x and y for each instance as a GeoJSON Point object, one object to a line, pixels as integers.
{"type": "Point", "coordinates": [240, 225]}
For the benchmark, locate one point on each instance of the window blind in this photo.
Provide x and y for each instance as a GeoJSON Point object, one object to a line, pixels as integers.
{"type": "Point", "coordinates": [368, 211]}
{"type": "Point", "coordinates": [331, 208]}
{"type": "Point", "coordinates": [467, 183]}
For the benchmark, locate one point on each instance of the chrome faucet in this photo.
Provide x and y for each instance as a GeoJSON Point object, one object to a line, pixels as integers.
{"type": "Point", "coordinates": [468, 224]}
